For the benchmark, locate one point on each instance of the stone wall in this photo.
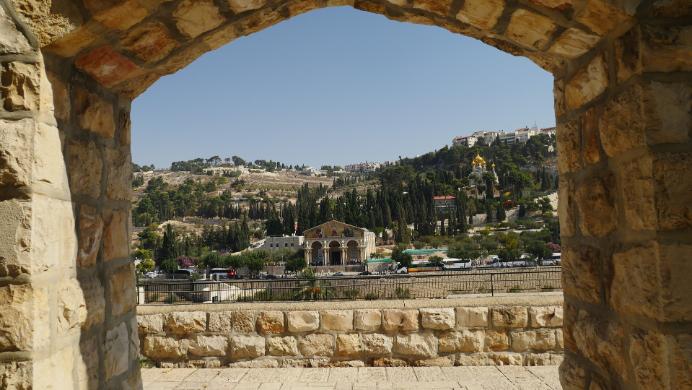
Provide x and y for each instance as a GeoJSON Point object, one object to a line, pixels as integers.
{"type": "Point", "coordinates": [497, 331]}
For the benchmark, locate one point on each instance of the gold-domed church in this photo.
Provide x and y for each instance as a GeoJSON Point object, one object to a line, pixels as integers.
{"type": "Point", "coordinates": [477, 186]}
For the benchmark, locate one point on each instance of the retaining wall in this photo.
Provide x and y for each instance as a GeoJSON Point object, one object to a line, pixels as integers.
{"type": "Point", "coordinates": [518, 329]}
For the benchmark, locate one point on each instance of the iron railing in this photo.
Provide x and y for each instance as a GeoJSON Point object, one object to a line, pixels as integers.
{"type": "Point", "coordinates": [424, 285]}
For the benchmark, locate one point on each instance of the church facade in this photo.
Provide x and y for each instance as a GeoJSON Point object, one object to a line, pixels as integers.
{"type": "Point", "coordinates": [477, 187]}
{"type": "Point", "coordinates": [335, 243]}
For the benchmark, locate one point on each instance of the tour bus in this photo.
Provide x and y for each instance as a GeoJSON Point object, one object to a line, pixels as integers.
{"type": "Point", "coordinates": [422, 266]}
{"type": "Point", "coordinates": [452, 264]}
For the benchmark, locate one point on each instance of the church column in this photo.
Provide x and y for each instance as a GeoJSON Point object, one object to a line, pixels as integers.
{"type": "Point", "coordinates": [308, 256]}
{"type": "Point", "coordinates": [344, 254]}
{"type": "Point", "coordinates": [326, 256]}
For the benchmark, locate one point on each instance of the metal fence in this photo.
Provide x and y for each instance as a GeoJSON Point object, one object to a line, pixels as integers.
{"type": "Point", "coordinates": [435, 285]}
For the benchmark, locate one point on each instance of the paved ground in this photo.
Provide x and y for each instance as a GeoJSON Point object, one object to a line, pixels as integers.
{"type": "Point", "coordinates": [418, 378]}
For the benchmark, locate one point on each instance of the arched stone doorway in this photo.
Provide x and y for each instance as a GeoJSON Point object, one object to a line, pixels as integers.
{"type": "Point", "coordinates": [335, 253]}
{"type": "Point", "coordinates": [70, 70]}
{"type": "Point", "coordinates": [317, 254]}
{"type": "Point", "coordinates": [353, 252]}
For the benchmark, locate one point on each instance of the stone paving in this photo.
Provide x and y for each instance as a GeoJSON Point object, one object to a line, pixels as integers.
{"type": "Point", "coordinates": [354, 378]}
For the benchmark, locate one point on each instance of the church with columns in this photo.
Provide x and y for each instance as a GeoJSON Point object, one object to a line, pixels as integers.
{"type": "Point", "coordinates": [335, 243]}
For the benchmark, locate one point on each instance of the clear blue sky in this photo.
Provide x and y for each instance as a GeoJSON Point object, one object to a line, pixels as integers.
{"type": "Point", "coordinates": [335, 86]}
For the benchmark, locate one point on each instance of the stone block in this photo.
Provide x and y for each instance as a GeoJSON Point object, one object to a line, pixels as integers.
{"type": "Point", "coordinates": [591, 143]}
{"type": "Point", "coordinates": [572, 375]}
{"type": "Point", "coordinates": [12, 41]}
{"type": "Point", "coordinates": [622, 122]}
{"type": "Point", "coordinates": [573, 43]}
{"type": "Point", "coordinates": [84, 168]}
{"type": "Point", "coordinates": [116, 351]}
{"type": "Point", "coordinates": [247, 347]}
{"type": "Point", "coordinates": [680, 347]}
{"type": "Point", "coordinates": [239, 321]}
{"type": "Point", "coordinates": [440, 7]}
{"type": "Point", "coordinates": [95, 300]}
{"type": "Point", "coordinates": [107, 66]}
{"type": "Point", "coordinates": [510, 317]}
{"type": "Point", "coordinates": [16, 375]}
{"type": "Point", "coordinates": [666, 112]}
{"type": "Point", "coordinates": [122, 291]}
{"type": "Point", "coordinates": [53, 239]}
{"type": "Point", "coordinates": [19, 86]}
{"type": "Point", "coordinates": [536, 340]}
{"type": "Point", "coordinates": [270, 322]}
{"type": "Point", "coordinates": [416, 345]}
{"type": "Point", "coordinates": [472, 317]}
{"type": "Point", "coordinates": [53, 369]}
{"type": "Point", "coordinates": [194, 17]}
{"type": "Point", "coordinates": [71, 309]}
{"type": "Point", "coordinates": [397, 320]}
{"type": "Point", "coordinates": [482, 14]}
{"type": "Point", "coordinates": [164, 348]}
{"type": "Point", "coordinates": [90, 233]}
{"type": "Point", "coordinates": [303, 321]}
{"type": "Point", "coordinates": [438, 319]}
{"type": "Point", "coordinates": [506, 358]}
{"type": "Point", "coordinates": [374, 344]}
{"type": "Point", "coordinates": [24, 318]}
{"type": "Point", "coordinates": [581, 272]}
{"type": "Point", "coordinates": [282, 346]}
{"type": "Point", "coordinates": [529, 29]}
{"type": "Point", "coordinates": [601, 16]}
{"type": "Point", "coordinates": [588, 83]}
{"type": "Point", "coordinates": [600, 341]}
{"type": "Point", "coordinates": [16, 147]}
{"type": "Point", "coordinates": [672, 189]}
{"type": "Point", "coordinates": [348, 345]}
{"type": "Point", "coordinates": [496, 341]}
{"type": "Point", "coordinates": [635, 179]}
{"type": "Point", "coordinates": [595, 205]}
{"type": "Point", "coordinates": [665, 49]}
{"type": "Point", "coordinates": [150, 42]}
{"type": "Point", "coordinates": [120, 15]}
{"type": "Point", "coordinates": [239, 6]}
{"type": "Point", "coordinates": [94, 113]}
{"type": "Point", "coordinates": [546, 316]}
{"type": "Point", "coordinates": [369, 320]}
{"type": "Point", "coordinates": [150, 324]}
{"type": "Point", "coordinates": [16, 231]}
{"type": "Point", "coordinates": [187, 322]}
{"type": "Point", "coordinates": [336, 320]}
{"type": "Point", "coordinates": [202, 345]}
{"type": "Point", "coordinates": [568, 146]}
{"type": "Point", "coordinates": [648, 356]}
{"type": "Point", "coordinates": [462, 341]}
{"type": "Point", "coordinates": [118, 173]}
{"type": "Point", "coordinates": [566, 207]}
{"type": "Point", "coordinates": [116, 238]}
{"type": "Point", "coordinates": [317, 345]}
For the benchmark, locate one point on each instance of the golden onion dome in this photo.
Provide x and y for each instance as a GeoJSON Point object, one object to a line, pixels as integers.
{"type": "Point", "coordinates": [478, 160]}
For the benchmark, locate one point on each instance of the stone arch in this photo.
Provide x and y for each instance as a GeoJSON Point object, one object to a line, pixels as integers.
{"type": "Point", "coordinates": [317, 254]}
{"type": "Point", "coordinates": [70, 70]}
{"type": "Point", "coordinates": [353, 252]}
{"type": "Point", "coordinates": [335, 253]}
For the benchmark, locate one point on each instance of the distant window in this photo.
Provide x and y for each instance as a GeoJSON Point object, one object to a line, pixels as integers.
{"type": "Point", "coordinates": [285, 245]}
{"type": "Point", "coordinates": [292, 244]}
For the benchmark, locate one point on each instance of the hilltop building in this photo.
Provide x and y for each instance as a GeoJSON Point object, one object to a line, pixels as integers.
{"type": "Point", "coordinates": [335, 243]}
{"type": "Point", "coordinates": [477, 184]}
{"type": "Point", "coordinates": [519, 135]}
{"type": "Point", "coordinates": [362, 167]}
{"type": "Point", "coordinates": [444, 204]}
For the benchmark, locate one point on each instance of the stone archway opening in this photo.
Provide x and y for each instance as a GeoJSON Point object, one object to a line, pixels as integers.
{"type": "Point", "coordinates": [317, 254]}
{"type": "Point", "coordinates": [353, 253]}
{"type": "Point", "coordinates": [335, 253]}
{"type": "Point", "coordinates": [70, 70]}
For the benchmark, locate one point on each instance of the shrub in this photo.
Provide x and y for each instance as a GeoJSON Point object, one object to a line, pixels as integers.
{"type": "Point", "coordinates": [402, 293]}
{"type": "Point", "coordinates": [371, 296]}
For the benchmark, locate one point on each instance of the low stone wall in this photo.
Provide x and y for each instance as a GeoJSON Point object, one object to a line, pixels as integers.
{"type": "Point", "coordinates": [519, 329]}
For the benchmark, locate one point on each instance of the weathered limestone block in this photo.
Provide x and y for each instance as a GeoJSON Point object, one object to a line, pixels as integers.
{"type": "Point", "coordinates": [17, 235]}
{"type": "Point", "coordinates": [270, 322]}
{"type": "Point", "coordinates": [680, 347]}
{"type": "Point", "coordinates": [53, 239]}
{"type": "Point", "coordinates": [568, 146]}
{"type": "Point", "coordinates": [438, 319]}
{"type": "Point", "coordinates": [376, 344]}
{"type": "Point", "coordinates": [123, 292]}
{"type": "Point", "coordinates": [240, 321]}
{"type": "Point", "coordinates": [317, 345]}
{"type": "Point", "coordinates": [596, 206]}
{"type": "Point", "coordinates": [52, 369]}
{"type": "Point", "coordinates": [600, 16]}
{"type": "Point", "coordinates": [572, 375]}
{"type": "Point", "coordinates": [622, 123]}
{"type": "Point", "coordinates": [303, 321]}
{"type": "Point", "coordinates": [150, 324]}
{"type": "Point", "coordinates": [109, 67]}
{"type": "Point", "coordinates": [208, 345]}
{"type": "Point", "coordinates": [119, 173]}
{"type": "Point", "coordinates": [482, 14]}
{"type": "Point", "coordinates": [647, 353]}
{"type": "Point", "coordinates": [473, 359]}
{"type": "Point", "coordinates": [95, 300]}
{"type": "Point", "coordinates": [588, 83]}
{"type": "Point", "coordinates": [542, 359]}
{"type": "Point", "coordinates": [282, 346]}
{"type": "Point", "coordinates": [16, 147]}
{"type": "Point", "coordinates": [19, 86]}
{"type": "Point", "coordinates": [566, 206]}
{"type": "Point", "coordinates": [24, 323]}
{"type": "Point", "coordinates": [239, 6]}
{"type": "Point", "coordinates": [463, 341]}
{"type": "Point", "coordinates": [396, 320]}
{"type": "Point", "coordinates": [673, 186]}
{"type": "Point", "coordinates": [636, 182]}
{"type": "Point", "coordinates": [16, 375]}
{"type": "Point", "coordinates": [440, 7]}
{"type": "Point", "coordinates": [573, 43]}
{"type": "Point", "coordinates": [116, 240]}
{"type": "Point", "coordinates": [12, 41]}
{"type": "Point", "coordinates": [472, 317]}
{"type": "Point", "coordinates": [600, 341]}
{"type": "Point", "coordinates": [72, 310]}
{"type": "Point", "coordinates": [591, 145]}
{"type": "Point", "coordinates": [186, 322]}
{"type": "Point", "coordinates": [90, 232]}
{"type": "Point", "coordinates": [580, 272]}
{"type": "Point", "coordinates": [496, 341]}
{"type": "Point", "coordinates": [416, 345]}
{"type": "Point", "coordinates": [165, 348]}
{"type": "Point", "coordinates": [336, 320]}
{"type": "Point", "coordinates": [84, 168]}
{"type": "Point", "coordinates": [368, 320]}
{"type": "Point", "coordinates": [665, 110]}
{"type": "Point", "coordinates": [95, 113]}
{"type": "Point", "coordinates": [116, 351]}
{"type": "Point", "coordinates": [510, 317]}
{"type": "Point", "coordinates": [536, 340]}
{"type": "Point", "coordinates": [546, 316]}
{"type": "Point", "coordinates": [506, 358]}
{"type": "Point", "coordinates": [529, 29]}
{"type": "Point", "coordinates": [348, 345]}
{"type": "Point", "coordinates": [120, 15]}
{"type": "Point", "coordinates": [150, 42]}
{"type": "Point", "coordinates": [194, 17]}
{"type": "Point", "coordinates": [247, 347]}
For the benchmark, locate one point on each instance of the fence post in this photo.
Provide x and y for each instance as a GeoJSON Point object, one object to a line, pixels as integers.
{"type": "Point", "coordinates": [492, 286]}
